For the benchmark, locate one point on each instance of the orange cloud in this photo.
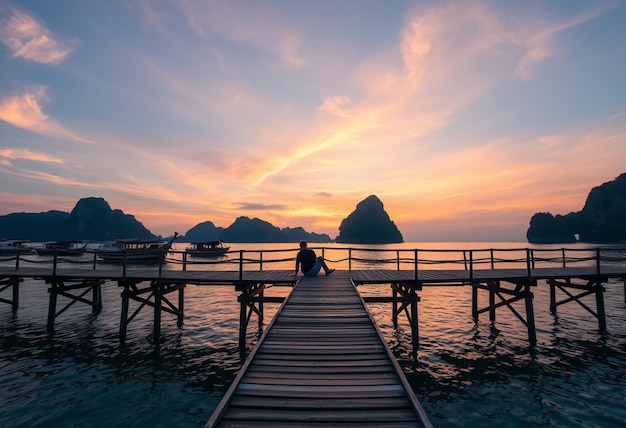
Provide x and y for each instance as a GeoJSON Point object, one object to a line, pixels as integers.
{"type": "Point", "coordinates": [25, 111]}
{"type": "Point", "coordinates": [27, 154]}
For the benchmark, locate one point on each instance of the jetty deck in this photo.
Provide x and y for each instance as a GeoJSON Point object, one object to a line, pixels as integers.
{"type": "Point", "coordinates": [322, 361]}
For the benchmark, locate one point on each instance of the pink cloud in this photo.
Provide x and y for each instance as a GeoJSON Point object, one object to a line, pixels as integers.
{"type": "Point", "coordinates": [25, 111]}
{"type": "Point", "coordinates": [28, 38]}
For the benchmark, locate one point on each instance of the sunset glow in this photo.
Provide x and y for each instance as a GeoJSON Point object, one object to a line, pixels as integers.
{"type": "Point", "coordinates": [464, 118]}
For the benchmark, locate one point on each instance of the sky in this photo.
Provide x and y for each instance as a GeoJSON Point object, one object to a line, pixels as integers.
{"type": "Point", "coordinates": [464, 117]}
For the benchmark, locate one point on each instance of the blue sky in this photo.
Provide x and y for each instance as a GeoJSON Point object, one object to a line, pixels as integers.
{"type": "Point", "coordinates": [464, 118]}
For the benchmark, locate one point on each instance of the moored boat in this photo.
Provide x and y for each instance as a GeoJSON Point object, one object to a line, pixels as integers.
{"type": "Point", "coordinates": [207, 249]}
{"type": "Point", "coordinates": [135, 250]}
{"type": "Point", "coordinates": [62, 248]}
{"type": "Point", "coordinates": [15, 246]}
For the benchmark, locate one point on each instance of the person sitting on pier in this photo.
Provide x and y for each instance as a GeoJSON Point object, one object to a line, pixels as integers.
{"type": "Point", "coordinates": [309, 262]}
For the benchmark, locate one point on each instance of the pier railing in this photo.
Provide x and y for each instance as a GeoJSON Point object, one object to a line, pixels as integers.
{"type": "Point", "coordinates": [352, 258]}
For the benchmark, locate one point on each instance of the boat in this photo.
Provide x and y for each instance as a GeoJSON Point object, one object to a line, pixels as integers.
{"type": "Point", "coordinates": [15, 246]}
{"type": "Point", "coordinates": [207, 249]}
{"type": "Point", "coordinates": [62, 248]}
{"type": "Point", "coordinates": [135, 250]}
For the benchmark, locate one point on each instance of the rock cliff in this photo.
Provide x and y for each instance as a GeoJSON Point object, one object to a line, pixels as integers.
{"type": "Point", "coordinates": [369, 224]}
{"type": "Point", "coordinates": [245, 229]}
{"type": "Point", "coordinates": [91, 219]}
{"type": "Point", "coordinates": [602, 219]}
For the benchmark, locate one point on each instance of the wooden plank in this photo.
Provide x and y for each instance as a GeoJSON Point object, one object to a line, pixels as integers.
{"type": "Point", "coordinates": [319, 415]}
{"type": "Point", "coordinates": [326, 403]}
{"type": "Point", "coordinates": [320, 380]}
{"type": "Point", "coordinates": [279, 424]}
{"type": "Point", "coordinates": [283, 370]}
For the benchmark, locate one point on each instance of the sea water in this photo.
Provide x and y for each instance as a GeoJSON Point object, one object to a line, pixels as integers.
{"type": "Point", "coordinates": [464, 373]}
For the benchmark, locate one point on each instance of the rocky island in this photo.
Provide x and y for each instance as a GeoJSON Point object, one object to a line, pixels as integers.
{"type": "Point", "coordinates": [91, 219]}
{"type": "Point", "coordinates": [602, 219]}
{"type": "Point", "coordinates": [369, 224]}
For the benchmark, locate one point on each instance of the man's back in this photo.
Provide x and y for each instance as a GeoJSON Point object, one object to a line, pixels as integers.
{"type": "Point", "coordinates": [306, 257]}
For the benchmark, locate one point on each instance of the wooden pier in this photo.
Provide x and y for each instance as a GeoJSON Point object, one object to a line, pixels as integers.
{"type": "Point", "coordinates": [571, 274]}
{"type": "Point", "coordinates": [322, 361]}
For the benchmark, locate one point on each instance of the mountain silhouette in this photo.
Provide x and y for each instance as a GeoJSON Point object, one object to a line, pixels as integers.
{"type": "Point", "coordinates": [369, 224]}
{"type": "Point", "coordinates": [602, 219]}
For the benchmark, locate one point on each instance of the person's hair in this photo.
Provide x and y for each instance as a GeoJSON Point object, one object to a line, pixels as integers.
{"type": "Point", "coordinates": [303, 244]}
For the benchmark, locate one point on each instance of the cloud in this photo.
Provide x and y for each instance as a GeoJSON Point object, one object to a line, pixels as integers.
{"type": "Point", "coordinates": [334, 105]}
{"type": "Point", "coordinates": [256, 24]}
{"type": "Point", "coordinates": [25, 111]}
{"type": "Point", "coordinates": [537, 41]}
{"type": "Point", "coordinates": [250, 206]}
{"type": "Point", "coordinates": [9, 153]}
{"type": "Point", "coordinates": [323, 194]}
{"type": "Point", "coordinates": [28, 38]}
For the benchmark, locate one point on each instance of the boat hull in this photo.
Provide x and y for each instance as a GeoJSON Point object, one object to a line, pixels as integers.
{"type": "Point", "coordinates": [209, 253]}
{"type": "Point", "coordinates": [133, 257]}
{"type": "Point", "coordinates": [64, 252]}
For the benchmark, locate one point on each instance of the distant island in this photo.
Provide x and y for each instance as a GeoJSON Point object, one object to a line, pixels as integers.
{"type": "Point", "coordinates": [369, 223]}
{"type": "Point", "coordinates": [92, 219]}
{"type": "Point", "coordinates": [602, 219]}
{"type": "Point", "coordinates": [253, 230]}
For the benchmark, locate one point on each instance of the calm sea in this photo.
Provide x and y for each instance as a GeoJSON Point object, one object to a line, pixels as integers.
{"type": "Point", "coordinates": [465, 374]}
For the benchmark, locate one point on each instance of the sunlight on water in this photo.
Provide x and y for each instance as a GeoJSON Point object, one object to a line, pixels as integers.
{"type": "Point", "coordinates": [465, 374]}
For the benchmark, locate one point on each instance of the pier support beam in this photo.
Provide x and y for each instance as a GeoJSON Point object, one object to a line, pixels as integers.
{"type": "Point", "coordinates": [521, 291]}
{"type": "Point", "coordinates": [13, 284]}
{"type": "Point", "coordinates": [592, 286]}
{"type": "Point", "coordinates": [408, 304]}
{"type": "Point", "coordinates": [250, 301]}
{"type": "Point", "coordinates": [65, 288]}
{"type": "Point", "coordinates": [155, 296]}
{"type": "Point", "coordinates": [404, 298]}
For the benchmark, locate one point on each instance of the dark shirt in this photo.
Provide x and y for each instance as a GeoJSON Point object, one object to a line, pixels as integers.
{"type": "Point", "coordinates": [306, 259]}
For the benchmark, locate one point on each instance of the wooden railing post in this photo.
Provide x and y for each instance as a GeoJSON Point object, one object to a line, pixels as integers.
{"type": "Point", "coordinates": [240, 268]}
{"type": "Point", "coordinates": [185, 261]}
{"type": "Point", "coordinates": [471, 264]}
{"type": "Point", "coordinates": [350, 259]}
{"type": "Point", "coordinates": [528, 266]}
{"type": "Point", "coordinates": [162, 256]}
{"type": "Point", "coordinates": [492, 260]}
{"type": "Point", "coordinates": [54, 263]}
{"type": "Point", "coordinates": [598, 261]}
{"type": "Point", "coordinates": [124, 265]}
{"type": "Point", "coordinates": [415, 254]}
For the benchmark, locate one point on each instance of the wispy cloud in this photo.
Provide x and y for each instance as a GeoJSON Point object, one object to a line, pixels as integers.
{"type": "Point", "coordinates": [10, 153]}
{"type": "Point", "coordinates": [250, 206]}
{"type": "Point", "coordinates": [28, 38]}
{"type": "Point", "coordinates": [25, 111]}
{"type": "Point", "coordinates": [538, 41]}
{"type": "Point", "coordinates": [335, 105]}
{"type": "Point", "coordinates": [261, 25]}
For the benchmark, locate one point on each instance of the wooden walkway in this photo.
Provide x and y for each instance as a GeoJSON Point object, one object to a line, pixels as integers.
{"type": "Point", "coordinates": [322, 361]}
